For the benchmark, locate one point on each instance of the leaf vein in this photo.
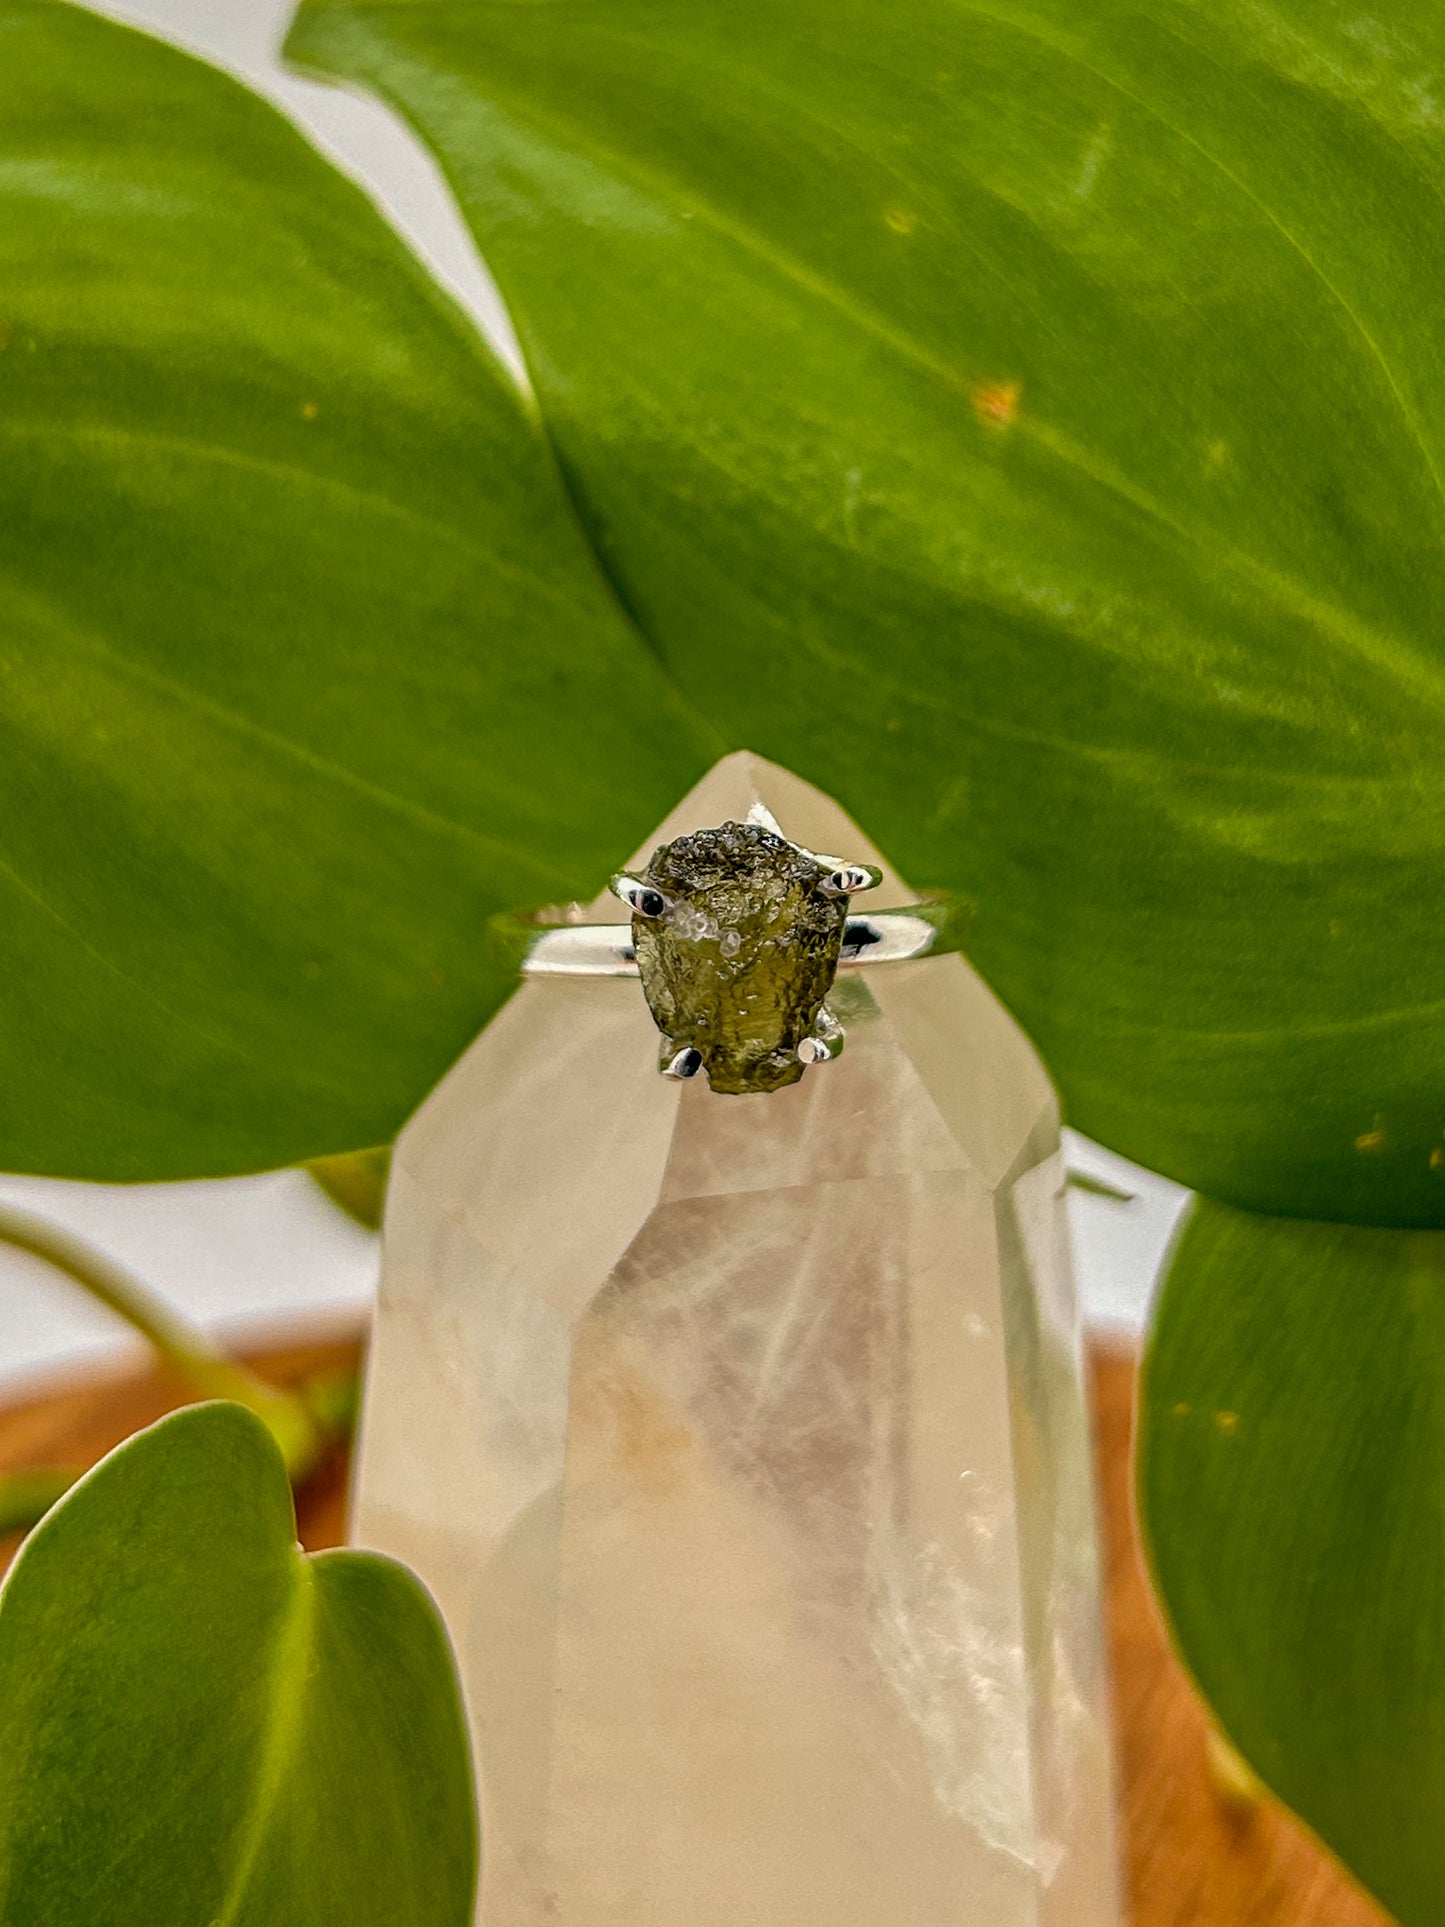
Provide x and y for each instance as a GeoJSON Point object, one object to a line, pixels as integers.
{"type": "Point", "coordinates": [1380, 649]}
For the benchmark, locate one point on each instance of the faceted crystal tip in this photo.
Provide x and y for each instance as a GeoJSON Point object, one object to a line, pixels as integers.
{"type": "Point", "coordinates": [743, 1446]}
{"type": "Point", "coordinates": [738, 934]}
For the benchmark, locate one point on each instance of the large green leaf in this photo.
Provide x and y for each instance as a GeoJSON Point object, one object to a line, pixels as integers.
{"type": "Point", "coordinates": [304, 667]}
{"type": "Point", "coordinates": [1292, 1486]}
{"type": "Point", "coordinates": [1028, 421]}
{"type": "Point", "coordinates": [200, 1725]}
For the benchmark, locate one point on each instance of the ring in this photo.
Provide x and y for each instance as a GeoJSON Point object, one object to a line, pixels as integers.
{"type": "Point", "coordinates": [737, 935]}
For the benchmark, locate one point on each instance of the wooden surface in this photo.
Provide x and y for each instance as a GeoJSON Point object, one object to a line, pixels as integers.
{"type": "Point", "coordinates": [1194, 1858]}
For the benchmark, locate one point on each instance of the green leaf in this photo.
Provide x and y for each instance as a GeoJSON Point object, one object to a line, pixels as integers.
{"type": "Point", "coordinates": [305, 671]}
{"type": "Point", "coordinates": [355, 1180]}
{"type": "Point", "coordinates": [1028, 421]}
{"type": "Point", "coordinates": [1292, 1490]}
{"type": "Point", "coordinates": [26, 1497]}
{"type": "Point", "coordinates": [202, 1725]}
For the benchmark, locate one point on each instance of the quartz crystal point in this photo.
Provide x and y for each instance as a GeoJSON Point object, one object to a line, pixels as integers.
{"type": "Point", "coordinates": [741, 1442]}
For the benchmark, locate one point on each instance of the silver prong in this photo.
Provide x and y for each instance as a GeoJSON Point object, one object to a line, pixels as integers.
{"type": "Point", "coordinates": [762, 816]}
{"type": "Point", "coordinates": [849, 878]}
{"type": "Point", "coordinates": [891, 938]}
{"type": "Point", "coordinates": [643, 899]}
{"type": "Point", "coordinates": [826, 1042]}
{"type": "Point", "coordinates": [683, 1064]}
{"type": "Point", "coordinates": [826, 1026]}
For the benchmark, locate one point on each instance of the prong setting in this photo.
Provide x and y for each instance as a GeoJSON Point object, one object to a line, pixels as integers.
{"type": "Point", "coordinates": [739, 963]}
{"type": "Point", "coordinates": [826, 1026]}
{"type": "Point", "coordinates": [815, 1050]}
{"type": "Point", "coordinates": [849, 878]}
{"type": "Point", "coordinates": [642, 899]}
{"type": "Point", "coordinates": [681, 1064]}
{"type": "Point", "coordinates": [826, 1041]}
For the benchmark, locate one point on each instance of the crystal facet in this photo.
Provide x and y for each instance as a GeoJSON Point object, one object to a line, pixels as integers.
{"type": "Point", "coordinates": [742, 1445]}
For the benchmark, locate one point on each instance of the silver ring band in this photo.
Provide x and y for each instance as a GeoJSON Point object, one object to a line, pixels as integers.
{"type": "Point", "coordinates": [605, 949]}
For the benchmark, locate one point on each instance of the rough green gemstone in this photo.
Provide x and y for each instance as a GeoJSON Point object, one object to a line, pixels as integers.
{"type": "Point", "coordinates": [741, 960]}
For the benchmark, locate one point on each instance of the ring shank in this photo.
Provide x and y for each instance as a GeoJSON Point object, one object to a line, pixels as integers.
{"type": "Point", "coordinates": [605, 949]}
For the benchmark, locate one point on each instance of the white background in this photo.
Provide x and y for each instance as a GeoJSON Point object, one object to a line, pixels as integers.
{"type": "Point", "coordinates": [260, 1257]}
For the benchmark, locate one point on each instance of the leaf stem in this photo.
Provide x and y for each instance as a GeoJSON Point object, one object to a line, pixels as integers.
{"type": "Point", "coordinates": [289, 1418]}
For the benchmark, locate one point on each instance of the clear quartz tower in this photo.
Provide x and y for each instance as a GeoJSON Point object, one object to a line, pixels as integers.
{"type": "Point", "coordinates": [741, 1441]}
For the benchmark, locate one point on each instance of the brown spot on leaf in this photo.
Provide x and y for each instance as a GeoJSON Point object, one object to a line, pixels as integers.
{"type": "Point", "coordinates": [996, 403]}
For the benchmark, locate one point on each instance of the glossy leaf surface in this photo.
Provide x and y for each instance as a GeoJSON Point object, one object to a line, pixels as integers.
{"type": "Point", "coordinates": [203, 1725]}
{"type": "Point", "coordinates": [1292, 1444]}
{"type": "Point", "coordinates": [1027, 421]}
{"type": "Point", "coordinates": [304, 668]}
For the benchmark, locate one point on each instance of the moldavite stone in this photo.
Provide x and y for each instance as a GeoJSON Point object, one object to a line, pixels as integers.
{"type": "Point", "coordinates": [741, 1442]}
{"type": "Point", "coordinates": [739, 966]}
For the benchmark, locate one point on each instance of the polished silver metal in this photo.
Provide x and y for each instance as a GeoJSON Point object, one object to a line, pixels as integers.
{"type": "Point", "coordinates": [849, 878]}
{"type": "Point", "coordinates": [828, 1030]}
{"type": "Point", "coordinates": [894, 936]}
{"type": "Point", "coordinates": [605, 949]}
{"type": "Point", "coordinates": [680, 1064]}
{"type": "Point", "coordinates": [669, 894]}
{"type": "Point", "coordinates": [642, 899]}
{"type": "Point", "coordinates": [582, 950]}
{"type": "Point", "coordinates": [826, 1042]}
